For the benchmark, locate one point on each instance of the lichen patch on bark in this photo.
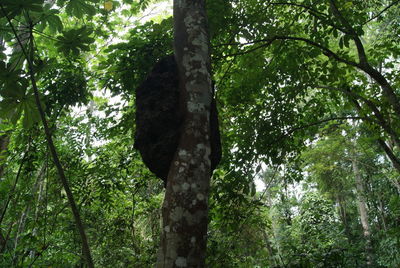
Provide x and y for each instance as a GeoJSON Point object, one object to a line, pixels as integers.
{"type": "Point", "coordinates": [200, 197]}
{"type": "Point", "coordinates": [176, 188]}
{"type": "Point", "coordinates": [177, 214]}
{"type": "Point", "coordinates": [195, 107]}
{"type": "Point", "coordinates": [181, 262]}
{"type": "Point", "coordinates": [185, 186]}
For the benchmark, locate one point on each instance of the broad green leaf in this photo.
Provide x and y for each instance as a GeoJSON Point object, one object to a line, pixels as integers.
{"type": "Point", "coordinates": [31, 113]}
{"type": "Point", "coordinates": [74, 41]}
{"type": "Point", "coordinates": [10, 109]}
{"type": "Point", "coordinates": [16, 7]}
{"type": "Point", "coordinates": [348, 5]}
{"type": "Point", "coordinates": [13, 109]}
{"type": "Point", "coordinates": [51, 19]}
{"type": "Point", "coordinates": [13, 90]}
{"type": "Point", "coordinates": [79, 8]}
{"type": "Point", "coordinates": [15, 98]}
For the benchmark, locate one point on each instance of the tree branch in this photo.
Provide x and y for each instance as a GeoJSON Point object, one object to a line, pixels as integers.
{"type": "Point", "coordinates": [382, 11]}
{"type": "Point", "coordinates": [360, 48]}
{"type": "Point", "coordinates": [11, 193]}
{"type": "Point", "coordinates": [294, 129]}
{"type": "Point", "coordinates": [390, 154]}
{"type": "Point", "coordinates": [393, 158]}
{"type": "Point", "coordinates": [364, 65]}
{"type": "Point", "coordinates": [380, 119]}
{"type": "Point", "coordinates": [326, 51]}
{"type": "Point", "coordinates": [319, 15]}
{"type": "Point", "coordinates": [299, 5]}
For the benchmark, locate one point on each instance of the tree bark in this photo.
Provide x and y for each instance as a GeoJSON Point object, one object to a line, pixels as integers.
{"type": "Point", "coordinates": [4, 141]}
{"type": "Point", "coordinates": [26, 214]}
{"type": "Point", "coordinates": [185, 208]}
{"type": "Point", "coordinates": [389, 152]}
{"type": "Point", "coordinates": [343, 215]}
{"type": "Point", "coordinates": [41, 185]}
{"type": "Point", "coordinates": [363, 210]}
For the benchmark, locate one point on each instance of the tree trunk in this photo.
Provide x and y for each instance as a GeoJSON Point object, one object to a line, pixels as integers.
{"type": "Point", "coordinates": [382, 214]}
{"type": "Point", "coordinates": [4, 141]}
{"type": "Point", "coordinates": [343, 215]}
{"type": "Point", "coordinates": [29, 56]}
{"type": "Point", "coordinates": [272, 261]}
{"type": "Point", "coordinates": [39, 199]}
{"type": "Point", "coordinates": [36, 189]}
{"type": "Point", "coordinates": [389, 152]}
{"type": "Point", "coordinates": [20, 230]}
{"type": "Point", "coordinates": [185, 208]}
{"type": "Point", "coordinates": [363, 210]}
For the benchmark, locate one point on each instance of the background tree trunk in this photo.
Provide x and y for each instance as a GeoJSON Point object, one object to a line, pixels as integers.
{"type": "Point", "coordinates": [4, 141]}
{"type": "Point", "coordinates": [362, 207]}
{"type": "Point", "coordinates": [185, 208]}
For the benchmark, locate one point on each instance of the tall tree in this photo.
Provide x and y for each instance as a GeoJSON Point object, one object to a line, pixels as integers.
{"type": "Point", "coordinates": [335, 45]}
{"type": "Point", "coordinates": [26, 43]}
{"type": "Point", "coordinates": [362, 207]}
{"type": "Point", "coordinates": [185, 208]}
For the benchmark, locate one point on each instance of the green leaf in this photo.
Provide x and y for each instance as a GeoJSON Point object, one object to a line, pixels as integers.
{"type": "Point", "coordinates": [341, 42]}
{"type": "Point", "coordinates": [79, 8]}
{"type": "Point", "coordinates": [2, 54]}
{"type": "Point", "coordinates": [15, 99]}
{"type": "Point", "coordinates": [74, 41]}
{"type": "Point", "coordinates": [335, 33]}
{"type": "Point", "coordinates": [13, 108]}
{"type": "Point", "coordinates": [9, 109]}
{"type": "Point", "coordinates": [253, 189]}
{"type": "Point", "coordinates": [144, 4]}
{"type": "Point", "coordinates": [13, 85]}
{"type": "Point", "coordinates": [31, 113]}
{"type": "Point", "coordinates": [348, 5]}
{"type": "Point", "coordinates": [258, 168]}
{"type": "Point", "coordinates": [346, 40]}
{"type": "Point", "coordinates": [14, 8]}
{"type": "Point", "coordinates": [50, 17]}
{"type": "Point", "coordinates": [17, 59]}
{"type": "Point", "coordinates": [16, 91]}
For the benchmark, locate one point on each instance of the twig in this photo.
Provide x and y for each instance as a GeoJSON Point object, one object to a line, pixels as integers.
{"type": "Point", "coordinates": [14, 186]}
{"type": "Point", "coordinates": [382, 11]}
